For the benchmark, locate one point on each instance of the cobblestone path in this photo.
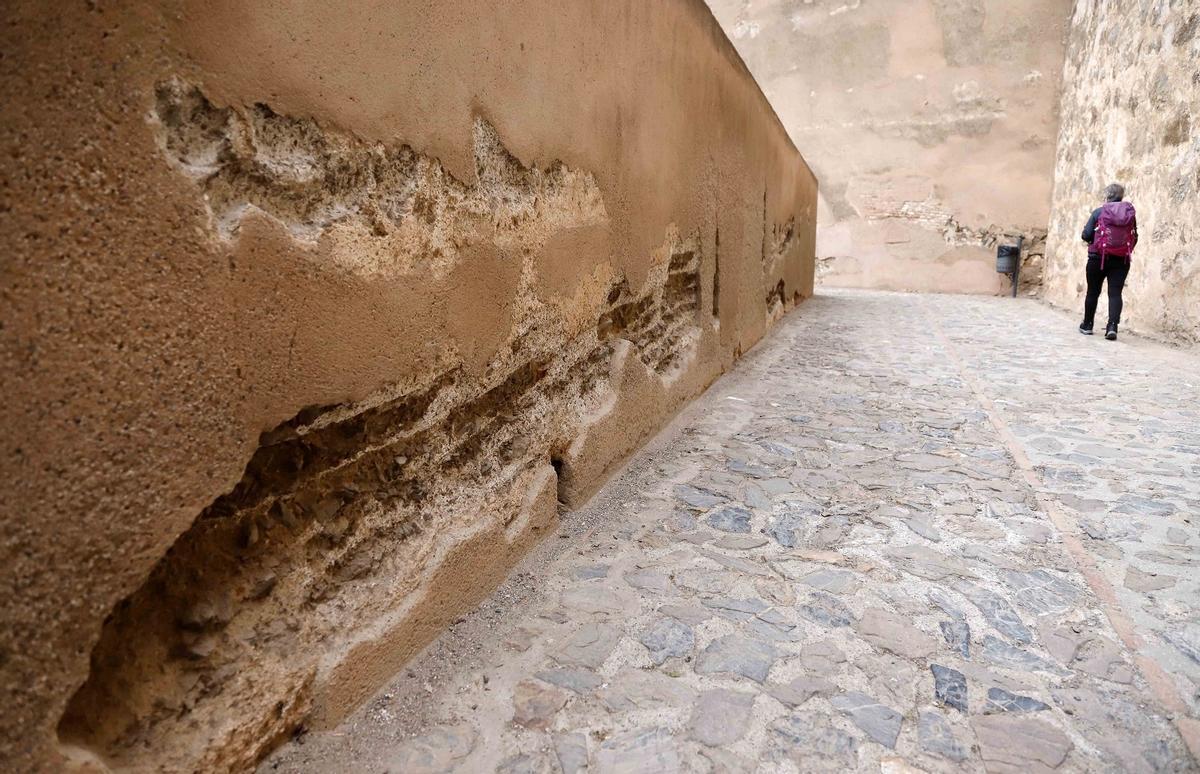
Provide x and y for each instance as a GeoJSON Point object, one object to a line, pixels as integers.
{"type": "Point", "coordinates": [908, 533]}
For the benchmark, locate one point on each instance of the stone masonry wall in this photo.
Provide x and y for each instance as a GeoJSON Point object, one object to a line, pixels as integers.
{"type": "Point", "coordinates": [317, 316]}
{"type": "Point", "coordinates": [1131, 114]}
{"type": "Point", "coordinates": [931, 124]}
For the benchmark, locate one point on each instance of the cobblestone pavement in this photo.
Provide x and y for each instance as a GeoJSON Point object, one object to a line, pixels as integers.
{"type": "Point", "coordinates": [907, 533]}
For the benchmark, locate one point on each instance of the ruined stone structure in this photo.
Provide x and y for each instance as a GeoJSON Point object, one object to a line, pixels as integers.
{"type": "Point", "coordinates": [931, 124]}
{"type": "Point", "coordinates": [318, 315]}
{"type": "Point", "coordinates": [1133, 119]}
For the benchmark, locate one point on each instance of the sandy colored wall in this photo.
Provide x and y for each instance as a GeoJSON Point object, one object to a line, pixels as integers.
{"type": "Point", "coordinates": [1133, 119]}
{"type": "Point", "coordinates": [313, 315]}
{"type": "Point", "coordinates": [931, 124]}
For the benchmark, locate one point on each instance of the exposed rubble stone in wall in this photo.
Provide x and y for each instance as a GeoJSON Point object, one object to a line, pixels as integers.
{"type": "Point", "coordinates": [1132, 118]}
{"type": "Point", "coordinates": [777, 245]}
{"type": "Point", "coordinates": [311, 181]}
{"type": "Point", "coordinates": [928, 121]}
{"type": "Point", "coordinates": [660, 322]}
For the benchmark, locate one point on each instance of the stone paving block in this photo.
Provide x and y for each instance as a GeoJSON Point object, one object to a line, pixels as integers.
{"type": "Point", "coordinates": [1186, 640]}
{"type": "Point", "coordinates": [737, 609]}
{"type": "Point", "coordinates": [1000, 700]}
{"type": "Point", "coordinates": [935, 735]}
{"type": "Point", "coordinates": [949, 687]}
{"type": "Point", "coordinates": [894, 634]}
{"type": "Point", "coordinates": [1000, 653]}
{"type": "Point", "coordinates": [922, 525]}
{"type": "Point", "coordinates": [740, 542]}
{"type": "Point", "coordinates": [958, 636]}
{"type": "Point", "coordinates": [666, 638]}
{"type": "Point", "coordinates": [597, 596]}
{"type": "Point", "coordinates": [1019, 744]}
{"type": "Point", "coordinates": [1040, 592]}
{"type": "Point", "coordinates": [729, 518]}
{"type": "Point", "coordinates": [1103, 658]}
{"type": "Point", "coordinates": [738, 564]}
{"type": "Point", "coordinates": [725, 762]}
{"type": "Point", "coordinates": [572, 752]}
{"type": "Point", "coordinates": [580, 681]}
{"type": "Point", "coordinates": [705, 581]}
{"type": "Point", "coordinates": [812, 743]}
{"type": "Point", "coordinates": [526, 763]}
{"type": "Point", "coordinates": [928, 563]}
{"type": "Point", "coordinates": [776, 619]}
{"type": "Point", "coordinates": [832, 580]}
{"type": "Point", "coordinates": [826, 610]}
{"type": "Point", "coordinates": [698, 498]}
{"type": "Point", "coordinates": [822, 657]}
{"type": "Point", "coordinates": [880, 723]}
{"type": "Point", "coordinates": [720, 717]}
{"type": "Point", "coordinates": [737, 655]}
{"type": "Point", "coordinates": [689, 614]}
{"type": "Point", "coordinates": [535, 704]}
{"type": "Point", "coordinates": [434, 752]}
{"type": "Point", "coordinates": [637, 752]}
{"type": "Point", "coordinates": [800, 690]}
{"type": "Point", "coordinates": [786, 528]}
{"type": "Point", "coordinates": [636, 689]}
{"type": "Point", "coordinates": [589, 646]}
{"type": "Point", "coordinates": [998, 612]}
{"type": "Point", "coordinates": [1137, 580]}
{"type": "Point", "coordinates": [649, 580]}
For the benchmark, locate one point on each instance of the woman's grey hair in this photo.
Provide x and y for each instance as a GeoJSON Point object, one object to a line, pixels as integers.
{"type": "Point", "coordinates": [1114, 192]}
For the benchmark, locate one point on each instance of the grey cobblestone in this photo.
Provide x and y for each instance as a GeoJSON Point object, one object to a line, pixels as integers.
{"type": "Point", "coordinates": [859, 551]}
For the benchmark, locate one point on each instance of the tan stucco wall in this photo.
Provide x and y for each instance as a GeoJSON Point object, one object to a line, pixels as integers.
{"type": "Point", "coordinates": [1133, 118]}
{"type": "Point", "coordinates": [313, 311]}
{"type": "Point", "coordinates": [931, 124]}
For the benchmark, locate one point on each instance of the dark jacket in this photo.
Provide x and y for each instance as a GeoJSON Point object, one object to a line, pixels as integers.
{"type": "Point", "coordinates": [1089, 230]}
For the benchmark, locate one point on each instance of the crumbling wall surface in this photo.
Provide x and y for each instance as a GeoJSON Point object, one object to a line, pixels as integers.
{"type": "Point", "coordinates": [317, 315]}
{"type": "Point", "coordinates": [1131, 114]}
{"type": "Point", "coordinates": [931, 124]}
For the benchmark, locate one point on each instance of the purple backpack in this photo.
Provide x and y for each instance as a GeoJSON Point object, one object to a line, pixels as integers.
{"type": "Point", "coordinates": [1116, 231]}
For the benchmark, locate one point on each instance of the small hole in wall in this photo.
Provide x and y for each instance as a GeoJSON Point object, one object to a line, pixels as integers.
{"type": "Point", "coordinates": [777, 296]}
{"type": "Point", "coordinates": [560, 472]}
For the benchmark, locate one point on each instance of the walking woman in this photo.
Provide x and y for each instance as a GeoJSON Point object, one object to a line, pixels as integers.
{"type": "Point", "coordinates": [1111, 234]}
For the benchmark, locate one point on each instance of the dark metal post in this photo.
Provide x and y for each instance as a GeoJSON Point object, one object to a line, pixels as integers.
{"type": "Point", "coordinates": [1017, 267]}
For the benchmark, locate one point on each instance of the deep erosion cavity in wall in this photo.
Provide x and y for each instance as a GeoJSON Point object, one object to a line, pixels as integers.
{"type": "Point", "coordinates": [777, 244]}
{"type": "Point", "coordinates": [269, 577]}
{"type": "Point", "coordinates": [214, 658]}
{"type": "Point", "coordinates": [347, 516]}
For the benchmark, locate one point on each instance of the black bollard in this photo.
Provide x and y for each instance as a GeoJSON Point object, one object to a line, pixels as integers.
{"type": "Point", "coordinates": [1008, 261]}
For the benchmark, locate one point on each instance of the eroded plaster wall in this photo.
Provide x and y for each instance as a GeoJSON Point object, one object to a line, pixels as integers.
{"type": "Point", "coordinates": [931, 124]}
{"type": "Point", "coordinates": [318, 315]}
{"type": "Point", "coordinates": [1133, 118]}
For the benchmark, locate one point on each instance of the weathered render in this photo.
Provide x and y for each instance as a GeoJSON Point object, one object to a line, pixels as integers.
{"type": "Point", "coordinates": [931, 124]}
{"type": "Point", "coordinates": [316, 315]}
{"type": "Point", "coordinates": [1133, 118]}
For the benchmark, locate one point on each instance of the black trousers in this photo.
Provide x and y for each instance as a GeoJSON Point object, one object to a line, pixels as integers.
{"type": "Point", "coordinates": [1116, 269]}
